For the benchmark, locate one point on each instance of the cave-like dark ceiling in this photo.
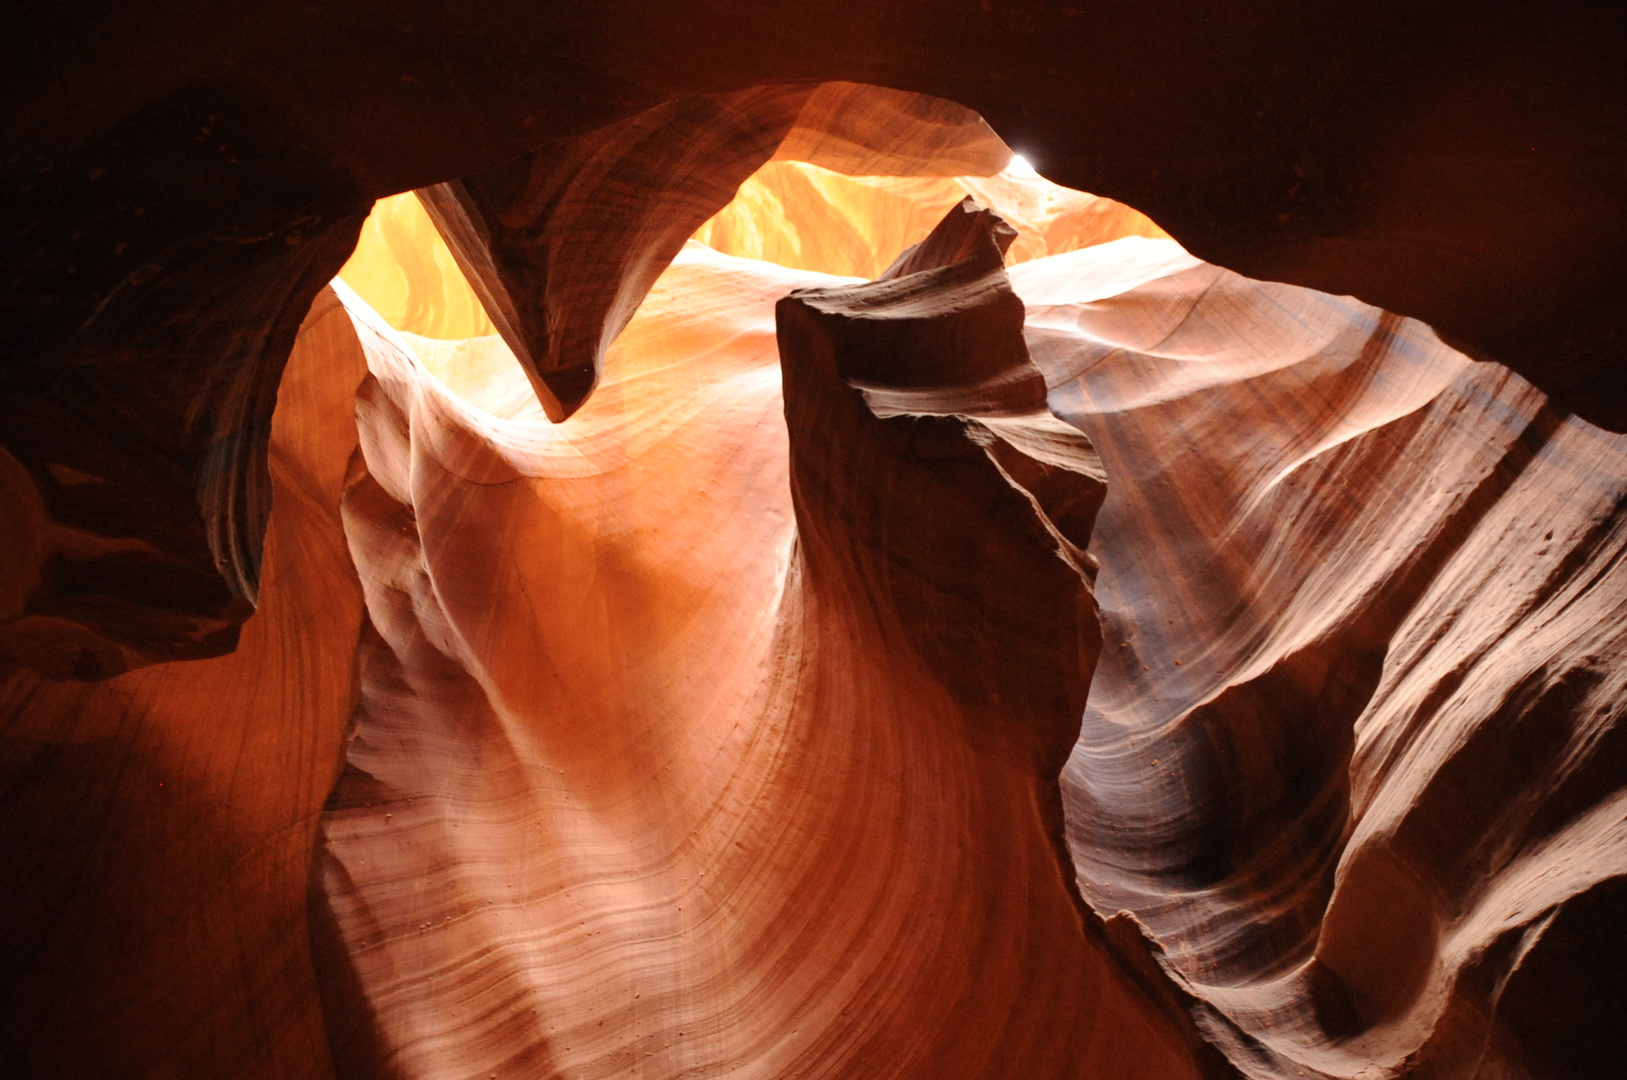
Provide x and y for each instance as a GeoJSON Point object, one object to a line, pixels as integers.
{"type": "Point", "coordinates": [1458, 162]}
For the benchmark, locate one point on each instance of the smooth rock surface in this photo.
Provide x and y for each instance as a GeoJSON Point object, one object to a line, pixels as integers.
{"type": "Point", "coordinates": [729, 714]}
{"type": "Point", "coordinates": [682, 748]}
{"type": "Point", "coordinates": [159, 826]}
{"type": "Point", "coordinates": [1354, 744]}
{"type": "Point", "coordinates": [797, 214]}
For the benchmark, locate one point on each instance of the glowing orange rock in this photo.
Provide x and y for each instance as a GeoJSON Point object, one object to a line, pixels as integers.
{"type": "Point", "coordinates": [406, 273]}
{"type": "Point", "coordinates": [802, 215]}
{"type": "Point", "coordinates": [683, 745]}
{"type": "Point", "coordinates": [718, 728]}
{"type": "Point", "coordinates": [563, 243]}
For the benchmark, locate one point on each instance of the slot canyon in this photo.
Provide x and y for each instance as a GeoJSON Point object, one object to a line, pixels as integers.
{"type": "Point", "coordinates": [906, 539]}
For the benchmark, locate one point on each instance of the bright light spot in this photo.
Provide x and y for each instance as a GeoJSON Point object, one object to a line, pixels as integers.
{"type": "Point", "coordinates": [1019, 166]}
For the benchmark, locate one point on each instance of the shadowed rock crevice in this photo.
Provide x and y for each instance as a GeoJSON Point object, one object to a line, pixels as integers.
{"type": "Point", "coordinates": [160, 823]}
{"type": "Point", "coordinates": [1349, 666]}
{"type": "Point", "coordinates": [144, 345]}
{"type": "Point", "coordinates": [717, 727]}
{"type": "Point", "coordinates": [799, 764]}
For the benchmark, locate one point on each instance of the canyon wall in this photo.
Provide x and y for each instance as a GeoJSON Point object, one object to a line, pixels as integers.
{"type": "Point", "coordinates": [159, 825]}
{"type": "Point", "coordinates": [1352, 753]}
{"type": "Point", "coordinates": [734, 723]}
{"type": "Point", "coordinates": [682, 747]}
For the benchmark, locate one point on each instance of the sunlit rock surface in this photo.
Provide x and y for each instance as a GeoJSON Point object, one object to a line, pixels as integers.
{"type": "Point", "coordinates": [1340, 593]}
{"type": "Point", "coordinates": [797, 214]}
{"type": "Point", "coordinates": [562, 244]}
{"type": "Point", "coordinates": [1457, 164]}
{"type": "Point", "coordinates": [718, 729]}
{"type": "Point", "coordinates": [1354, 753]}
{"type": "Point", "coordinates": [406, 273]}
{"type": "Point", "coordinates": [683, 747]}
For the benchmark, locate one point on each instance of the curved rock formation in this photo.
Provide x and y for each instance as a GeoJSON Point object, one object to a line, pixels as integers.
{"type": "Point", "coordinates": [718, 728]}
{"type": "Point", "coordinates": [1454, 162]}
{"type": "Point", "coordinates": [682, 747]}
{"type": "Point", "coordinates": [1329, 622]}
{"type": "Point", "coordinates": [406, 273]}
{"type": "Point", "coordinates": [137, 388]}
{"type": "Point", "coordinates": [801, 215]}
{"type": "Point", "coordinates": [1354, 745]}
{"type": "Point", "coordinates": [563, 243]}
{"type": "Point", "coordinates": [158, 826]}
{"type": "Point", "coordinates": [137, 399]}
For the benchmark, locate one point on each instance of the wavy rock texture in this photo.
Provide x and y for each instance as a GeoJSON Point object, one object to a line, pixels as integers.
{"type": "Point", "coordinates": [406, 273]}
{"type": "Point", "coordinates": [136, 396]}
{"type": "Point", "coordinates": [1327, 626]}
{"type": "Point", "coordinates": [750, 767]}
{"type": "Point", "coordinates": [864, 130]}
{"type": "Point", "coordinates": [562, 244]}
{"type": "Point", "coordinates": [159, 826]}
{"type": "Point", "coordinates": [1454, 162]}
{"type": "Point", "coordinates": [1353, 754]}
{"type": "Point", "coordinates": [683, 748]}
{"type": "Point", "coordinates": [801, 215]}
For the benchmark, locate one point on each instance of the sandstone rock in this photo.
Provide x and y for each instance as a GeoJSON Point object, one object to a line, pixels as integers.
{"type": "Point", "coordinates": [802, 215]}
{"type": "Point", "coordinates": [683, 745]}
{"type": "Point", "coordinates": [562, 244]}
{"type": "Point", "coordinates": [160, 825]}
{"type": "Point", "coordinates": [406, 273]}
{"type": "Point", "coordinates": [718, 727]}
{"type": "Point", "coordinates": [1352, 748]}
{"type": "Point", "coordinates": [1448, 162]}
{"type": "Point", "coordinates": [141, 371]}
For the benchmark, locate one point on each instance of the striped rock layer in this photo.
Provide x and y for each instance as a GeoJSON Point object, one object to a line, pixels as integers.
{"type": "Point", "coordinates": [1347, 773]}
{"type": "Point", "coordinates": [716, 731]}
{"type": "Point", "coordinates": [804, 704]}
{"type": "Point", "coordinates": [1353, 753]}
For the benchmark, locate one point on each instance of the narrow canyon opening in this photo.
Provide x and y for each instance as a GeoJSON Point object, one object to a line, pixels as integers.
{"type": "Point", "coordinates": [745, 756]}
{"type": "Point", "coordinates": [1234, 802]}
{"type": "Point", "coordinates": [775, 587]}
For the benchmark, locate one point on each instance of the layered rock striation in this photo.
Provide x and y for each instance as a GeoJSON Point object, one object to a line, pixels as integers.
{"type": "Point", "coordinates": [159, 825]}
{"type": "Point", "coordinates": [720, 650]}
{"type": "Point", "coordinates": [137, 396]}
{"type": "Point", "coordinates": [1327, 622]}
{"type": "Point", "coordinates": [1351, 754]}
{"type": "Point", "coordinates": [717, 731]}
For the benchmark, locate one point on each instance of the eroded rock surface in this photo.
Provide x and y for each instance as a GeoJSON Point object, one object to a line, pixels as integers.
{"type": "Point", "coordinates": [683, 747]}
{"type": "Point", "coordinates": [1452, 162]}
{"type": "Point", "coordinates": [563, 243]}
{"type": "Point", "coordinates": [155, 285]}
{"type": "Point", "coordinates": [718, 728]}
{"type": "Point", "coordinates": [1353, 748]}
{"type": "Point", "coordinates": [159, 826]}
{"type": "Point", "coordinates": [798, 214]}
